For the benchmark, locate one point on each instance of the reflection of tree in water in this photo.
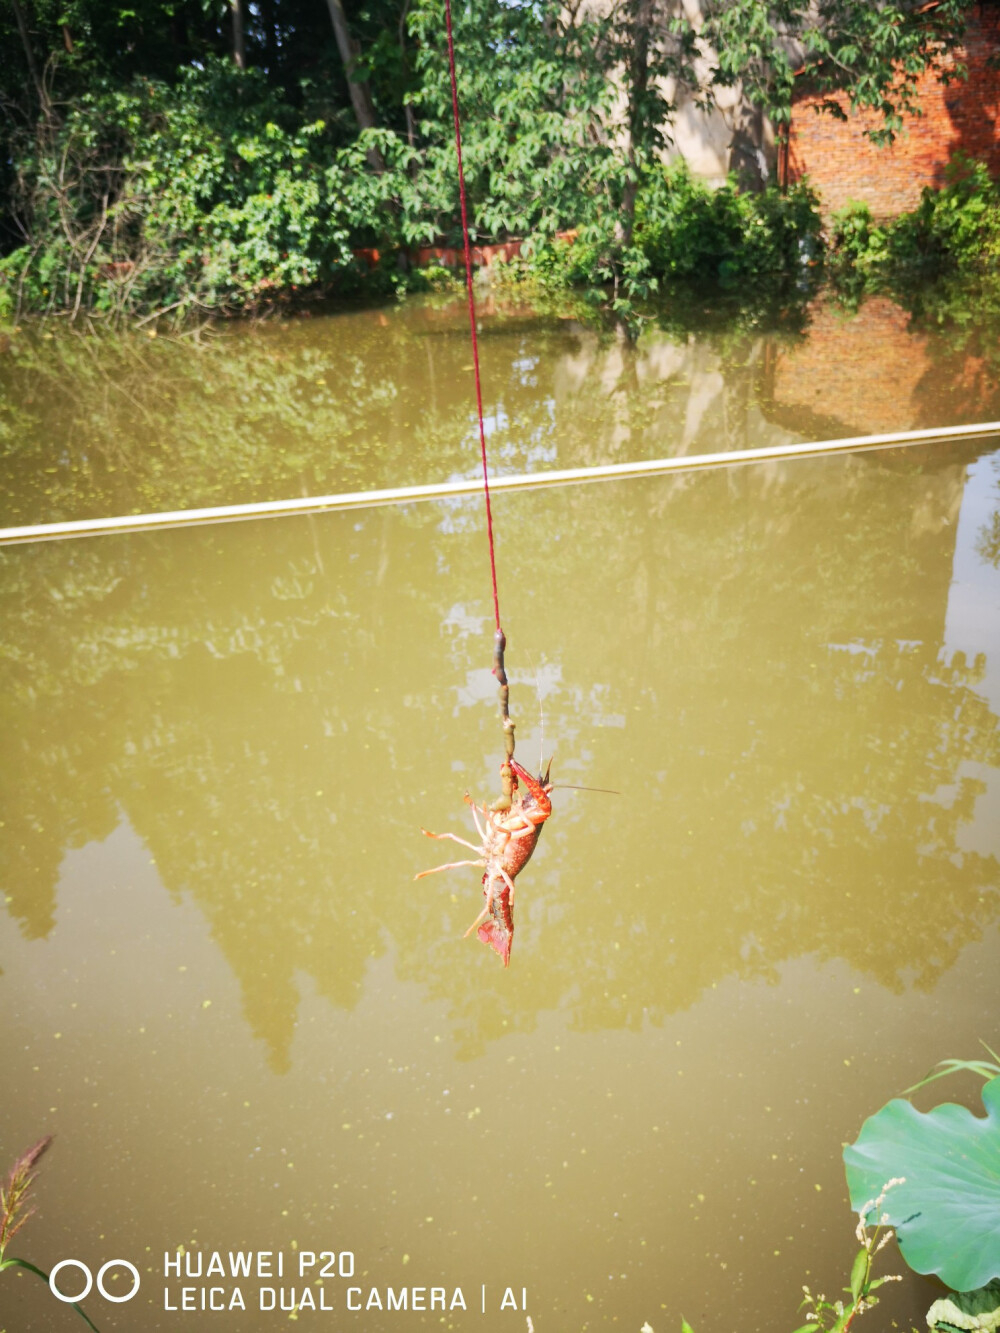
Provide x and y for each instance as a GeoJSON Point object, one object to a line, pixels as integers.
{"type": "Point", "coordinates": [988, 540]}
{"type": "Point", "coordinates": [988, 544]}
{"type": "Point", "coordinates": [113, 425]}
{"type": "Point", "coordinates": [933, 362]}
{"type": "Point", "coordinates": [962, 312]}
{"type": "Point", "coordinates": [367, 399]}
{"type": "Point", "coordinates": [799, 747]}
{"type": "Point", "coordinates": [753, 657]}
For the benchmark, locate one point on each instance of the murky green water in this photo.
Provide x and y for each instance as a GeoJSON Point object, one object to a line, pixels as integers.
{"type": "Point", "coordinates": [250, 1029]}
{"type": "Point", "coordinates": [379, 398]}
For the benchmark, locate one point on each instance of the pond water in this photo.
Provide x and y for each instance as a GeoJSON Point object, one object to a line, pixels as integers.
{"type": "Point", "coordinates": [383, 397]}
{"type": "Point", "coordinates": [222, 990]}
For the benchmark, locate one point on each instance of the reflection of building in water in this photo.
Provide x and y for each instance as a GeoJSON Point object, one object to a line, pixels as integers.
{"type": "Point", "coordinates": [974, 601]}
{"type": "Point", "coordinates": [836, 373]}
{"type": "Point", "coordinates": [871, 371]}
{"type": "Point", "coordinates": [854, 375]}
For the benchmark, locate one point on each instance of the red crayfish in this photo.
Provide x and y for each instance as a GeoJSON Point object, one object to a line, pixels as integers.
{"type": "Point", "coordinates": [508, 839]}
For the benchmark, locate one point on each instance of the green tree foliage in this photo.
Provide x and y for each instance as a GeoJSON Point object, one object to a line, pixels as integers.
{"type": "Point", "coordinates": [147, 170]}
{"type": "Point", "coordinates": [208, 192]}
{"type": "Point", "coordinates": [954, 227]}
{"type": "Point", "coordinates": [872, 52]}
{"type": "Point", "coordinates": [686, 228]}
{"type": "Point", "coordinates": [534, 101]}
{"type": "Point", "coordinates": [939, 262]}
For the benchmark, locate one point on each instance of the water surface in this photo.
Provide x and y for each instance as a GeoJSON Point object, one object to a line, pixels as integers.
{"type": "Point", "coordinates": [372, 398]}
{"type": "Point", "coordinates": [250, 1029]}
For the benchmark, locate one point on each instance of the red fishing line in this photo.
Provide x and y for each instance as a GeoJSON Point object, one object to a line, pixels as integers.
{"type": "Point", "coordinates": [472, 309]}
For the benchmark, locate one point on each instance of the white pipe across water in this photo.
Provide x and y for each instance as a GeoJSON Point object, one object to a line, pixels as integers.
{"type": "Point", "coordinates": [183, 518]}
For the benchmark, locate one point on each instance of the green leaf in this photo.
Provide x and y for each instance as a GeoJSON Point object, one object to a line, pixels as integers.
{"type": "Point", "coordinates": [968, 1310]}
{"type": "Point", "coordinates": [947, 1213]}
{"type": "Point", "coordinates": [13, 1262]}
{"type": "Point", "coordinates": [945, 1067]}
{"type": "Point", "coordinates": [858, 1270]}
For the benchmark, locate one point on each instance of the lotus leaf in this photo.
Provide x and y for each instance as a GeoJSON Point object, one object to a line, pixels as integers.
{"type": "Point", "coordinates": [976, 1310]}
{"type": "Point", "coordinates": [947, 1213]}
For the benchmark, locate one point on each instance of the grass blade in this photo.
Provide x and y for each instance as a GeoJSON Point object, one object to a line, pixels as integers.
{"type": "Point", "coordinates": [23, 1263]}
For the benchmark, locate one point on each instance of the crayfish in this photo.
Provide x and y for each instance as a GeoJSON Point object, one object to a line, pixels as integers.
{"type": "Point", "coordinates": [508, 839]}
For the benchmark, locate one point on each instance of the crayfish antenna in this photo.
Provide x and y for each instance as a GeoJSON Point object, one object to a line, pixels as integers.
{"type": "Point", "coordinates": [573, 786]}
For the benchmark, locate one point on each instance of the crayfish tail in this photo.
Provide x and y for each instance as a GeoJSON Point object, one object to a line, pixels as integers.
{"type": "Point", "coordinates": [498, 939]}
{"type": "Point", "coordinates": [498, 929]}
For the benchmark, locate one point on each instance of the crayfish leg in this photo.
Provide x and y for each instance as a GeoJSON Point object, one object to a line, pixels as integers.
{"type": "Point", "coordinates": [453, 837]}
{"type": "Point", "coordinates": [479, 919]}
{"type": "Point", "coordinates": [475, 815]}
{"type": "Point", "coordinates": [522, 832]}
{"type": "Point", "coordinates": [451, 865]}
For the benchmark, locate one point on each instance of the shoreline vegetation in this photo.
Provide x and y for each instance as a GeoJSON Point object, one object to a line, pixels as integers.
{"type": "Point", "coordinates": [688, 235]}
{"type": "Point", "coordinates": [171, 163]}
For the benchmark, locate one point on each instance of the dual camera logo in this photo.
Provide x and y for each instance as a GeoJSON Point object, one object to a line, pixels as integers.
{"type": "Point", "coordinates": [72, 1298]}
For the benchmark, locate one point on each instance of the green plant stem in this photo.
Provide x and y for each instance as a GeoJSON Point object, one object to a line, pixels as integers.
{"type": "Point", "coordinates": [31, 1268]}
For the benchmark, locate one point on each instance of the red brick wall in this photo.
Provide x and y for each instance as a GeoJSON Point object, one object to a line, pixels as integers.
{"type": "Point", "coordinates": [842, 164]}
